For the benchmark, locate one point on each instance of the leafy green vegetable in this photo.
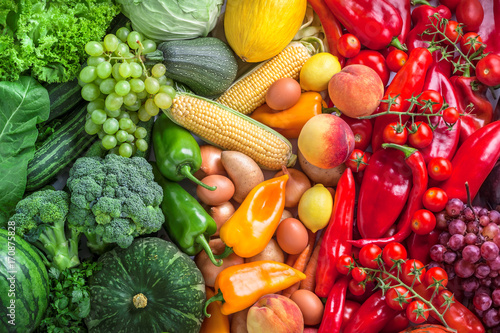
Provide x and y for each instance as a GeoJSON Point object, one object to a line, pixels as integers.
{"type": "Point", "coordinates": [162, 20]}
{"type": "Point", "coordinates": [49, 36]}
{"type": "Point", "coordinates": [25, 103]}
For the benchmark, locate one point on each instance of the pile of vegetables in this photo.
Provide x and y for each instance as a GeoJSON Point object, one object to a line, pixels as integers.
{"type": "Point", "coordinates": [249, 166]}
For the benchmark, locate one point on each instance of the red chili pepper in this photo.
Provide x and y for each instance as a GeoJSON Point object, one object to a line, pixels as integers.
{"type": "Point", "coordinates": [376, 23]}
{"type": "Point", "coordinates": [415, 161]}
{"type": "Point", "coordinates": [490, 27]}
{"type": "Point", "coordinates": [362, 130]}
{"type": "Point", "coordinates": [372, 316]}
{"type": "Point", "coordinates": [373, 59]}
{"type": "Point", "coordinates": [419, 245]}
{"type": "Point", "coordinates": [330, 24]}
{"type": "Point", "coordinates": [338, 232]}
{"type": "Point", "coordinates": [383, 193]}
{"type": "Point", "coordinates": [472, 92]}
{"type": "Point", "coordinates": [408, 82]}
{"type": "Point", "coordinates": [445, 141]}
{"type": "Point", "coordinates": [473, 161]}
{"type": "Point", "coordinates": [334, 307]}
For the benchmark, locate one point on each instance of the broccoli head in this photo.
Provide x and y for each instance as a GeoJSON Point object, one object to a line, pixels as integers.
{"type": "Point", "coordinates": [40, 218]}
{"type": "Point", "coordinates": [114, 200]}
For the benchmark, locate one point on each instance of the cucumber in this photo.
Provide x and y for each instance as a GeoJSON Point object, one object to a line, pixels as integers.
{"type": "Point", "coordinates": [60, 149]}
{"type": "Point", "coordinates": [63, 98]}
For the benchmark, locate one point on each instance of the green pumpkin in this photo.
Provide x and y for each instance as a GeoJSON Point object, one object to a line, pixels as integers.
{"type": "Point", "coordinates": [150, 287]}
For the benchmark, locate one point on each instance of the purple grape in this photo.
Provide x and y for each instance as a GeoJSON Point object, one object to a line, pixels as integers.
{"type": "Point", "coordinates": [496, 281]}
{"type": "Point", "coordinates": [441, 222]}
{"type": "Point", "coordinates": [457, 226]}
{"type": "Point", "coordinates": [456, 242]}
{"type": "Point", "coordinates": [470, 238]}
{"type": "Point", "coordinates": [454, 207]}
{"type": "Point", "coordinates": [484, 290]}
{"type": "Point", "coordinates": [482, 301]}
{"type": "Point", "coordinates": [494, 264]}
{"type": "Point", "coordinates": [494, 216]}
{"type": "Point", "coordinates": [491, 318]}
{"type": "Point", "coordinates": [437, 252]}
{"type": "Point", "coordinates": [473, 227]}
{"type": "Point", "coordinates": [464, 269]}
{"type": "Point", "coordinates": [450, 270]}
{"type": "Point", "coordinates": [435, 264]}
{"type": "Point", "coordinates": [470, 284]}
{"type": "Point", "coordinates": [468, 214]}
{"type": "Point", "coordinates": [482, 211]}
{"type": "Point", "coordinates": [444, 237]}
{"type": "Point", "coordinates": [482, 271]}
{"type": "Point", "coordinates": [449, 257]}
{"type": "Point", "coordinates": [487, 282]}
{"type": "Point", "coordinates": [489, 250]}
{"type": "Point", "coordinates": [493, 274]}
{"type": "Point", "coordinates": [484, 220]}
{"type": "Point", "coordinates": [471, 253]}
{"type": "Point", "coordinates": [496, 240]}
{"type": "Point", "coordinates": [495, 296]}
{"type": "Point", "coordinates": [490, 231]}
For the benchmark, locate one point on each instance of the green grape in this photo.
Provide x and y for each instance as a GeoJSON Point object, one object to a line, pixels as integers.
{"type": "Point", "coordinates": [107, 86]}
{"type": "Point", "coordinates": [87, 116]}
{"type": "Point", "coordinates": [125, 149]}
{"type": "Point", "coordinates": [95, 104]}
{"type": "Point", "coordinates": [140, 132]}
{"type": "Point", "coordinates": [104, 69]}
{"type": "Point", "coordinates": [130, 99]}
{"type": "Point", "coordinates": [124, 69]}
{"type": "Point", "coordinates": [126, 123]}
{"type": "Point", "coordinates": [111, 42]}
{"type": "Point", "coordinates": [162, 100]}
{"type": "Point", "coordinates": [142, 95]}
{"type": "Point", "coordinates": [80, 82]}
{"type": "Point", "coordinates": [94, 49]}
{"type": "Point", "coordinates": [134, 117]}
{"type": "Point", "coordinates": [109, 142]}
{"type": "Point", "coordinates": [158, 70]}
{"type": "Point", "coordinates": [162, 80]}
{"type": "Point", "coordinates": [169, 90]}
{"type": "Point", "coordinates": [110, 126]}
{"type": "Point", "coordinates": [95, 61]}
{"type": "Point", "coordinates": [141, 145]}
{"type": "Point", "coordinates": [122, 33]}
{"type": "Point", "coordinates": [142, 114]}
{"type": "Point", "coordinates": [99, 117]}
{"type": "Point", "coordinates": [130, 138]}
{"type": "Point", "coordinates": [132, 128]}
{"type": "Point", "coordinates": [122, 88]}
{"type": "Point", "coordinates": [116, 72]}
{"type": "Point", "coordinates": [123, 114]}
{"type": "Point", "coordinates": [114, 102]}
{"type": "Point", "coordinates": [88, 74]}
{"type": "Point", "coordinates": [135, 70]}
{"type": "Point", "coordinates": [114, 151]}
{"type": "Point", "coordinates": [137, 85]}
{"type": "Point", "coordinates": [133, 40]}
{"type": "Point", "coordinates": [129, 57]}
{"type": "Point", "coordinates": [121, 49]}
{"type": "Point", "coordinates": [98, 81]}
{"type": "Point", "coordinates": [121, 136]}
{"type": "Point", "coordinates": [149, 46]}
{"type": "Point", "coordinates": [151, 108]}
{"type": "Point", "coordinates": [133, 107]}
{"type": "Point", "coordinates": [152, 85]}
{"type": "Point", "coordinates": [113, 114]}
{"type": "Point", "coordinates": [101, 133]}
{"type": "Point", "coordinates": [92, 128]}
{"type": "Point", "coordinates": [90, 92]}
{"type": "Point", "coordinates": [169, 82]}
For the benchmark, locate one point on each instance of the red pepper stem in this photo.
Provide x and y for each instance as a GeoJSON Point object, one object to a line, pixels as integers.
{"type": "Point", "coordinates": [227, 251]}
{"type": "Point", "coordinates": [204, 244]}
{"type": "Point", "coordinates": [185, 170]}
{"type": "Point", "coordinates": [215, 298]}
{"type": "Point", "coordinates": [397, 44]}
{"type": "Point", "coordinates": [408, 151]}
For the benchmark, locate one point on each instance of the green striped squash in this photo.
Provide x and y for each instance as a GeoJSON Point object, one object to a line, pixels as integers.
{"type": "Point", "coordinates": [63, 147]}
{"type": "Point", "coordinates": [148, 287]}
{"type": "Point", "coordinates": [63, 97]}
{"type": "Point", "coordinates": [24, 285]}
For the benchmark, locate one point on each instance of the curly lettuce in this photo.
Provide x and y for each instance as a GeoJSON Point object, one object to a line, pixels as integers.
{"type": "Point", "coordinates": [48, 37]}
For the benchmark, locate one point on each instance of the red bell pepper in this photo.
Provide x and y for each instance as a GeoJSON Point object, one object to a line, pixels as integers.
{"type": "Point", "coordinates": [473, 161]}
{"type": "Point", "coordinates": [489, 29]}
{"type": "Point", "coordinates": [408, 82]}
{"type": "Point", "coordinates": [415, 161]}
{"type": "Point", "coordinates": [373, 59]}
{"type": "Point", "coordinates": [404, 9]}
{"type": "Point", "coordinates": [376, 23]}
{"type": "Point", "coordinates": [419, 245]}
{"type": "Point", "coordinates": [334, 307]}
{"type": "Point", "coordinates": [383, 193]}
{"type": "Point", "coordinates": [331, 26]}
{"type": "Point", "coordinates": [338, 232]}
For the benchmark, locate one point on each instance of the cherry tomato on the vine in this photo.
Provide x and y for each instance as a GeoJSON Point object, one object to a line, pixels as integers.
{"type": "Point", "coordinates": [358, 160]}
{"type": "Point", "coordinates": [410, 270]}
{"type": "Point", "coordinates": [439, 168]}
{"type": "Point", "coordinates": [348, 45]}
{"type": "Point", "coordinates": [470, 43]}
{"type": "Point", "coordinates": [435, 199]}
{"type": "Point", "coordinates": [398, 298]}
{"type": "Point", "coordinates": [343, 264]}
{"type": "Point", "coordinates": [358, 274]}
{"type": "Point", "coordinates": [436, 274]}
{"type": "Point", "coordinates": [368, 255]}
{"type": "Point", "coordinates": [356, 288]}
{"type": "Point", "coordinates": [431, 101]}
{"type": "Point", "coordinates": [392, 252]}
{"type": "Point", "coordinates": [451, 115]}
{"type": "Point", "coordinates": [453, 31]}
{"type": "Point", "coordinates": [396, 59]}
{"type": "Point", "coordinates": [460, 70]}
{"type": "Point", "coordinates": [395, 133]}
{"type": "Point", "coordinates": [417, 312]}
{"type": "Point", "coordinates": [488, 70]}
{"type": "Point", "coordinates": [362, 130]}
{"type": "Point", "coordinates": [423, 222]}
{"type": "Point", "coordinates": [420, 135]}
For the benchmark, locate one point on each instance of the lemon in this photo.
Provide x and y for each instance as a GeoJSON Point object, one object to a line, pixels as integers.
{"type": "Point", "coordinates": [315, 207]}
{"type": "Point", "coordinates": [318, 70]}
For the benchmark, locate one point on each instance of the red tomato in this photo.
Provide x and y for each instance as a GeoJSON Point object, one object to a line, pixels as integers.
{"type": "Point", "coordinates": [488, 70]}
{"type": "Point", "coordinates": [358, 160]}
{"type": "Point", "coordinates": [396, 59]}
{"type": "Point", "coordinates": [420, 135]}
{"type": "Point", "coordinates": [358, 274]}
{"type": "Point", "coordinates": [431, 101]}
{"type": "Point", "coordinates": [395, 133]}
{"type": "Point", "coordinates": [451, 115]}
{"type": "Point", "coordinates": [470, 13]}
{"type": "Point", "coordinates": [350, 308]}
{"type": "Point", "coordinates": [439, 168]}
{"type": "Point", "coordinates": [362, 130]}
{"type": "Point", "coordinates": [436, 274]}
{"type": "Point", "coordinates": [453, 31]}
{"type": "Point", "coordinates": [356, 288]}
{"type": "Point", "coordinates": [344, 263]}
{"type": "Point", "coordinates": [393, 252]}
{"type": "Point", "coordinates": [410, 271]}
{"type": "Point", "coordinates": [470, 43]}
{"type": "Point", "coordinates": [348, 45]}
{"type": "Point", "coordinates": [373, 59]}
{"type": "Point", "coordinates": [435, 199]}
{"type": "Point", "coordinates": [417, 312]}
{"type": "Point", "coordinates": [398, 298]}
{"type": "Point", "coordinates": [423, 222]}
{"type": "Point", "coordinates": [443, 295]}
{"type": "Point", "coordinates": [368, 255]}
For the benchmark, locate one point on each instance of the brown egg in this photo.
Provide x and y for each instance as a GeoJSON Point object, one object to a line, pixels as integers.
{"type": "Point", "coordinates": [283, 94]}
{"type": "Point", "coordinates": [311, 306]}
{"type": "Point", "coordinates": [224, 191]}
{"type": "Point", "coordinates": [292, 236]}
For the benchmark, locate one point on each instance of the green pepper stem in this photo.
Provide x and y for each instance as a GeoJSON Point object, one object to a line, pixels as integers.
{"type": "Point", "coordinates": [185, 170]}
{"type": "Point", "coordinates": [331, 110]}
{"type": "Point", "coordinates": [200, 239]}
{"type": "Point", "coordinates": [227, 251]}
{"type": "Point", "coordinates": [405, 149]}
{"type": "Point", "coordinates": [397, 44]}
{"type": "Point", "coordinates": [420, 2]}
{"type": "Point", "coordinates": [215, 298]}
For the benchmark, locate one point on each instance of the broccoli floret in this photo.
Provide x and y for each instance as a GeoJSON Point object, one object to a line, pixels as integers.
{"type": "Point", "coordinates": [40, 218]}
{"type": "Point", "coordinates": [113, 200]}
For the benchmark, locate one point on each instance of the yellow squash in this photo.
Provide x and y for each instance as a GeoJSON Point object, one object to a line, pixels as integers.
{"type": "Point", "coordinates": [258, 30]}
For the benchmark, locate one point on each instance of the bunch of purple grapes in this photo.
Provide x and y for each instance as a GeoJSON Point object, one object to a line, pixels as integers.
{"type": "Point", "coordinates": [468, 250]}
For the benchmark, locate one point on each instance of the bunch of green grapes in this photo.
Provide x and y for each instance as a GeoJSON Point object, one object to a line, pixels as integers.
{"type": "Point", "coordinates": [121, 91]}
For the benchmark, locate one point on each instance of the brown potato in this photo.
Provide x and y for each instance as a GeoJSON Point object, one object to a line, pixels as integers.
{"type": "Point", "coordinates": [272, 251]}
{"type": "Point", "coordinates": [239, 322]}
{"type": "Point", "coordinates": [327, 177]}
{"type": "Point", "coordinates": [243, 171]}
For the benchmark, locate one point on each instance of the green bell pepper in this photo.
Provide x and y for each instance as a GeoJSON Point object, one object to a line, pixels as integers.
{"type": "Point", "coordinates": [187, 223]}
{"type": "Point", "coordinates": [177, 153]}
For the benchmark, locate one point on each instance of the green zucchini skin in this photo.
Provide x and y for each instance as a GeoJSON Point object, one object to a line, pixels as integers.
{"type": "Point", "coordinates": [63, 98]}
{"type": "Point", "coordinates": [60, 149]}
{"type": "Point", "coordinates": [205, 64]}
{"type": "Point", "coordinates": [170, 280]}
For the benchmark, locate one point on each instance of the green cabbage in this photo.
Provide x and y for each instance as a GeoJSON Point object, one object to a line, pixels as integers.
{"type": "Point", "coordinates": [163, 20]}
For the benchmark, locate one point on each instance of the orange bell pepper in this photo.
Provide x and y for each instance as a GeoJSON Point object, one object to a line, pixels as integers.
{"type": "Point", "coordinates": [253, 224]}
{"type": "Point", "coordinates": [289, 122]}
{"type": "Point", "coordinates": [217, 322]}
{"type": "Point", "coordinates": [240, 286]}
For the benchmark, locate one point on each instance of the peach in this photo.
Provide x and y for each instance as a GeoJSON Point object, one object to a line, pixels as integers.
{"type": "Point", "coordinates": [326, 141]}
{"type": "Point", "coordinates": [356, 90]}
{"type": "Point", "coordinates": [275, 314]}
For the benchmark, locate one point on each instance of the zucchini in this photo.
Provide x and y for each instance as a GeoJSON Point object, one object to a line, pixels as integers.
{"type": "Point", "coordinates": [63, 97]}
{"type": "Point", "coordinates": [205, 64]}
{"type": "Point", "coordinates": [60, 149]}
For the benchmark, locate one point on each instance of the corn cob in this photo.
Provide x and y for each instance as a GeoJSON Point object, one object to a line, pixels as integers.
{"type": "Point", "coordinates": [249, 92]}
{"type": "Point", "coordinates": [223, 127]}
